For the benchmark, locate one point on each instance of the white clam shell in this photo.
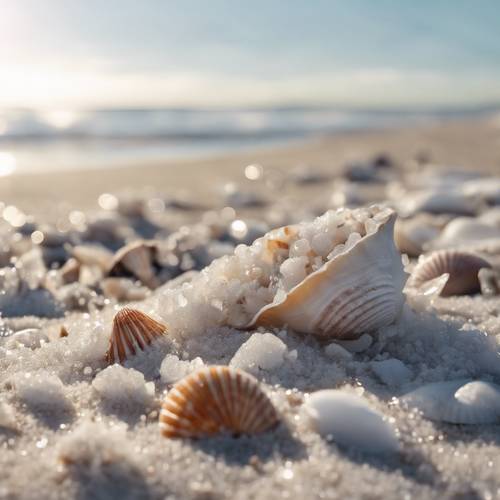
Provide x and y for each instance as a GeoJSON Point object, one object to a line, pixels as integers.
{"type": "Point", "coordinates": [462, 269]}
{"type": "Point", "coordinates": [411, 235]}
{"type": "Point", "coordinates": [466, 232]}
{"type": "Point", "coordinates": [357, 291]}
{"type": "Point", "coordinates": [440, 201]}
{"type": "Point", "coordinates": [457, 402]}
{"type": "Point", "coordinates": [350, 421]}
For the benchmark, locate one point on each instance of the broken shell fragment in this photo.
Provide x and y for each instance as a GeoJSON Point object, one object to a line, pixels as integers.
{"type": "Point", "coordinates": [137, 259]}
{"type": "Point", "coordinates": [357, 290]}
{"type": "Point", "coordinates": [133, 330]}
{"type": "Point", "coordinates": [214, 400]}
{"type": "Point", "coordinates": [462, 268]}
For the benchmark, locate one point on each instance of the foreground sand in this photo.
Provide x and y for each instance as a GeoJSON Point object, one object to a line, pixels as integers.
{"type": "Point", "coordinates": [469, 144]}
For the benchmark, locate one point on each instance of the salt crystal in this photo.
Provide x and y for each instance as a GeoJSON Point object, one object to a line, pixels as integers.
{"type": "Point", "coordinates": [125, 387]}
{"type": "Point", "coordinates": [336, 351]}
{"type": "Point", "coordinates": [262, 351]}
{"type": "Point", "coordinates": [173, 369]}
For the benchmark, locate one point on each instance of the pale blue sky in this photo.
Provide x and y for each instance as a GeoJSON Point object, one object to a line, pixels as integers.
{"type": "Point", "coordinates": [99, 53]}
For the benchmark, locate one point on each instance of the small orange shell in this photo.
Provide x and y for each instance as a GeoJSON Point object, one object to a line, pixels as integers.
{"type": "Point", "coordinates": [132, 330]}
{"type": "Point", "coordinates": [462, 267]}
{"type": "Point", "coordinates": [214, 400]}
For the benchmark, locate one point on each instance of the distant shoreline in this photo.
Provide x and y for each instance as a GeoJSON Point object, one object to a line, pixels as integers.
{"type": "Point", "coordinates": [466, 143]}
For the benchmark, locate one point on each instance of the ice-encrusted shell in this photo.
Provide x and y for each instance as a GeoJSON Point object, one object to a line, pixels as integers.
{"type": "Point", "coordinates": [357, 291]}
{"type": "Point", "coordinates": [462, 268]}
{"type": "Point", "coordinates": [216, 399]}
{"type": "Point", "coordinates": [457, 402]}
{"type": "Point", "coordinates": [137, 259]}
{"type": "Point", "coordinates": [133, 330]}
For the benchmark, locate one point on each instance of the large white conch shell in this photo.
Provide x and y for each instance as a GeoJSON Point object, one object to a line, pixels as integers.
{"type": "Point", "coordinates": [357, 291]}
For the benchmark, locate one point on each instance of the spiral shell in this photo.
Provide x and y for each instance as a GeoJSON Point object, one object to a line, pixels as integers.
{"type": "Point", "coordinates": [462, 268]}
{"type": "Point", "coordinates": [215, 400]}
{"type": "Point", "coordinates": [357, 291]}
{"type": "Point", "coordinates": [132, 330]}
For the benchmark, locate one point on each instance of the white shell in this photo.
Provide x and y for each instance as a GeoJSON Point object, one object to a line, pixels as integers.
{"type": "Point", "coordinates": [357, 291]}
{"type": "Point", "coordinates": [462, 269]}
{"type": "Point", "coordinates": [350, 421]}
{"type": "Point", "coordinates": [136, 258]}
{"type": "Point", "coordinates": [411, 235]}
{"type": "Point", "coordinates": [442, 201]}
{"type": "Point", "coordinates": [215, 400]}
{"type": "Point", "coordinates": [457, 402]}
{"type": "Point", "coordinates": [468, 233]}
{"type": "Point", "coordinates": [487, 189]}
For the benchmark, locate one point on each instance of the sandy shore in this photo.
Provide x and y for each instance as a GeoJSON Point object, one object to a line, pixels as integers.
{"type": "Point", "coordinates": [471, 144]}
{"type": "Point", "coordinates": [71, 426]}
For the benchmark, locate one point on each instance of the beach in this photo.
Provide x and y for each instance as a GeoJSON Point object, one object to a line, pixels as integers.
{"type": "Point", "coordinates": [469, 144]}
{"type": "Point", "coordinates": [82, 418]}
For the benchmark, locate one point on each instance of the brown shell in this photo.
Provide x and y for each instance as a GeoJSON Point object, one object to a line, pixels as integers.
{"type": "Point", "coordinates": [132, 330]}
{"type": "Point", "coordinates": [137, 259]}
{"type": "Point", "coordinates": [214, 400]}
{"type": "Point", "coordinates": [463, 268]}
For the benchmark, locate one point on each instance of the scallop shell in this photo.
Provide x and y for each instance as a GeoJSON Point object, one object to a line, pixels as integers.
{"type": "Point", "coordinates": [462, 268]}
{"type": "Point", "coordinates": [132, 330]}
{"type": "Point", "coordinates": [357, 291]}
{"type": "Point", "coordinates": [215, 400]}
{"type": "Point", "coordinates": [136, 258]}
{"type": "Point", "coordinates": [457, 402]}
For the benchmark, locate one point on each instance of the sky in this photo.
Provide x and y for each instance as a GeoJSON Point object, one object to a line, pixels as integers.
{"type": "Point", "coordinates": [61, 54]}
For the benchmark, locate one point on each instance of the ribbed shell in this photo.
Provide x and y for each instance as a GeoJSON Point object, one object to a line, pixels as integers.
{"type": "Point", "coordinates": [133, 330]}
{"type": "Point", "coordinates": [357, 291]}
{"type": "Point", "coordinates": [214, 400]}
{"type": "Point", "coordinates": [461, 266]}
{"type": "Point", "coordinates": [457, 402]}
{"type": "Point", "coordinates": [137, 259]}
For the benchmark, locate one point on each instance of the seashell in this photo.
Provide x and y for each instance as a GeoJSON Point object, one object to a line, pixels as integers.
{"type": "Point", "coordinates": [487, 189]}
{"type": "Point", "coordinates": [133, 330]}
{"type": "Point", "coordinates": [70, 271]}
{"type": "Point", "coordinates": [214, 400]}
{"type": "Point", "coordinates": [123, 289]}
{"type": "Point", "coordinates": [489, 281]}
{"type": "Point", "coordinates": [92, 255]}
{"type": "Point", "coordinates": [63, 332]}
{"type": "Point", "coordinates": [469, 233]}
{"type": "Point", "coordinates": [348, 420]}
{"type": "Point", "coordinates": [358, 290]}
{"type": "Point", "coordinates": [462, 268]}
{"type": "Point", "coordinates": [410, 235]}
{"type": "Point", "coordinates": [136, 258]}
{"type": "Point", "coordinates": [438, 201]}
{"type": "Point", "coordinates": [457, 402]}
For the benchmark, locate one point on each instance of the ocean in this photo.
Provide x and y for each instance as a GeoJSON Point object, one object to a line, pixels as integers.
{"type": "Point", "coordinates": [39, 141]}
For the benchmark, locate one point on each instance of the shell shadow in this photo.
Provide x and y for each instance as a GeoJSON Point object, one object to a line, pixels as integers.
{"type": "Point", "coordinates": [411, 463]}
{"type": "Point", "coordinates": [243, 450]}
{"type": "Point", "coordinates": [118, 480]}
{"type": "Point", "coordinates": [53, 419]}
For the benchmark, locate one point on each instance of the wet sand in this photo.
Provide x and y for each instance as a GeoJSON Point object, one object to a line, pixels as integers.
{"type": "Point", "coordinates": [473, 144]}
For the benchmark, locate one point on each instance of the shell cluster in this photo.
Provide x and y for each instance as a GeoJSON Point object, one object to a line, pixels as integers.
{"type": "Point", "coordinates": [214, 400]}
